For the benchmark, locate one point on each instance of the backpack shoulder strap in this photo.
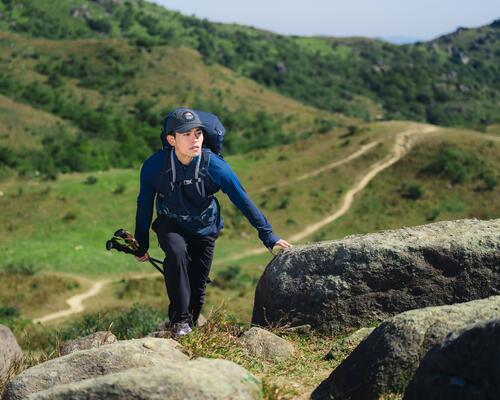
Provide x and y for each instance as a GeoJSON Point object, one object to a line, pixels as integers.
{"type": "Point", "coordinates": [202, 169]}
{"type": "Point", "coordinates": [169, 166]}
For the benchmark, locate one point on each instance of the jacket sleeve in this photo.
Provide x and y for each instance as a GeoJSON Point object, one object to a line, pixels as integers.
{"type": "Point", "coordinates": [222, 175]}
{"type": "Point", "coordinates": [145, 203]}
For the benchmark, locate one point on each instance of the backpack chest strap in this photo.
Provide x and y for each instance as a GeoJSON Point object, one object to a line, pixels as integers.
{"type": "Point", "coordinates": [200, 187]}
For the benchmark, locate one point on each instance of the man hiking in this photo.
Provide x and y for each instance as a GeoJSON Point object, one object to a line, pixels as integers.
{"type": "Point", "coordinates": [184, 177]}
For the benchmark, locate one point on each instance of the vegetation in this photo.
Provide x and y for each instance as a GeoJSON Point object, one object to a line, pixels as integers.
{"type": "Point", "coordinates": [449, 81]}
{"type": "Point", "coordinates": [96, 100]}
{"type": "Point", "coordinates": [106, 123]}
{"type": "Point", "coordinates": [443, 179]}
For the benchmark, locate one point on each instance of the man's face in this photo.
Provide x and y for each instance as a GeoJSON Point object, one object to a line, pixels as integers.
{"type": "Point", "coordinates": [187, 143]}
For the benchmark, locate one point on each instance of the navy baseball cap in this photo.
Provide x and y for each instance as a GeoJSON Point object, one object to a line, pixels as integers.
{"type": "Point", "coordinates": [182, 120]}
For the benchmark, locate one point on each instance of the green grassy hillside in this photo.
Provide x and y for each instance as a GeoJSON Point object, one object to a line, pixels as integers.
{"type": "Point", "coordinates": [62, 225]}
{"type": "Point", "coordinates": [451, 175]}
{"type": "Point", "coordinates": [79, 211]}
{"type": "Point", "coordinates": [110, 98]}
{"type": "Point", "coordinates": [449, 81]}
{"type": "Point", "coordinates": [23, 126]}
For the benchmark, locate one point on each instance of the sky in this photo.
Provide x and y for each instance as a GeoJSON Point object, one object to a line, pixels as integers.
{"type": "Point", "coordinates": [416, 19]}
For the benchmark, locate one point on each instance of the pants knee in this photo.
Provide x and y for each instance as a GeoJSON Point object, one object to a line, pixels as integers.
{"type": "Point", "coordinates": [175, 249]}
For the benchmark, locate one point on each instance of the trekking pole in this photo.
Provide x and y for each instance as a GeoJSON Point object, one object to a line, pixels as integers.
{"type": "Point", "coordinates": [131, 246]}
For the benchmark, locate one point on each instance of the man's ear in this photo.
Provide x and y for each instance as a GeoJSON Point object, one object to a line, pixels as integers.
{"type": "Point", "coordinates": [171, 140]}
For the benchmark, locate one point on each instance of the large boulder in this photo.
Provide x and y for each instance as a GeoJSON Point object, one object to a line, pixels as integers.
{"type": "Point", "coordinates": [91, 341]}
{"type": "Point", "coordinates": [197, 380]}
{"type": "Point", "coordinates": [465, 366]}
{"type": "Point", "coordinates": [9, 350]}
{"type": "Point", "coordinates": [387, 359]}
{"type": "Point", "coordinates": [349, 283]}
{"type": "Point", "coordinates": [85, 364]}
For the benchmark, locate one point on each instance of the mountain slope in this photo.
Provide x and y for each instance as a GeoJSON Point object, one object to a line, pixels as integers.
{"type": "Point", "coordinates": [115, 95]}
{"type": "Point", "coordinates": [449, 81]}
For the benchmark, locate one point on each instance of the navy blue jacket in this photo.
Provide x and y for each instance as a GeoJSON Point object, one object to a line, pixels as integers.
{"type": "Point", "coordinates": [220, 176]}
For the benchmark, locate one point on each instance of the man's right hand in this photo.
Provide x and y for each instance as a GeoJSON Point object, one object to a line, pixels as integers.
{"type": "Point", "coordinates": [144, 258]}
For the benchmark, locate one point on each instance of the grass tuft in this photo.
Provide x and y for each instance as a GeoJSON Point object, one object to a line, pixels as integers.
{"type": "Point", "coordinates": [26, 361]}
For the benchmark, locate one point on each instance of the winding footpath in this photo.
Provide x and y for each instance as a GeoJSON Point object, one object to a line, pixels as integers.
{"type": "Point", "coordinates": [75, 303]}
{"type": "Point", "coordinates": [318, 171]}
{"type": "Point", "coordinates": [403, 143]}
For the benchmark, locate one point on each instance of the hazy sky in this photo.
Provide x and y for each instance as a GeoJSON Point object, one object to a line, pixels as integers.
{"type": "Point", "coordinates": [420, 19]}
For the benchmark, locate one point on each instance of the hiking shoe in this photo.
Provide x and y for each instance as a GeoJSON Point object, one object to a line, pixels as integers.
{"type": "Point", "coordinates": [180, 329]}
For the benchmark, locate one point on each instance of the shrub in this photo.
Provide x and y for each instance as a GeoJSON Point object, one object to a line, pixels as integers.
{"type": "Point", "coordinates": [412, 191]}
{"type": "Point", "coordinates": [120, 189]}
{"type": "Point", "coordinates": [130, 324]}
{"type": "Point", "coordinates": [451, 162]}
{"type": "Point", "coordinates": [433, 214]}
{"type": "Point", "coordinates": [8, 312]}
{"type": "Point", "coordinates": [21, 268]}
{"type": "Point", "coordinates": [91, 180]}
{"type": "Point", "coordinates": [232, 278]}
{"type": "Point", "coordinates": [69, 216]}
{"type": "Point", "coordinates": [488, 179]}
{"type": "Point", "coordinates": [225, 277]}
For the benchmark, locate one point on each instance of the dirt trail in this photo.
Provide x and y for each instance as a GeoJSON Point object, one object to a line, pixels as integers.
{"type": "Point", "coordinates": [75, 303]}
{"type": "Point", "coordinates": [404, 141]}
{"type": "Point", "coordinates": [318, 171]}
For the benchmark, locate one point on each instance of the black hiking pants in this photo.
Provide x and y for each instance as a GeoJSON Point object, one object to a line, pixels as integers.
{"type": "Point", "coordinates": [186, 265]}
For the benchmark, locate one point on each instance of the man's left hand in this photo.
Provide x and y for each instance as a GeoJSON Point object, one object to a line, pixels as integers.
{"type": "Point", "coordinates": [280, 243]}
{"type": "Point", "coordinates": [283, 244]}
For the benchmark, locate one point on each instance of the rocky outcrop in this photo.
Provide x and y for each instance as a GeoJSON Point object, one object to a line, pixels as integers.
{"type": "Point", "coordinates": [349, 283]}
{"type": "Point", "coordinates": [96, 339]}
{"type": "Point", "coordinates": [198, 380]}
{"type": "Point", "coordinates": [264, 344]}
{"type": "Point", "coordinates": [9, 350]}
{"type": "Point", "coordinates": [465, 366]}
{"type": "Point", "coordinates": [95, 362]}
{"type": "Point", "coordinates": [387, 359]}
{"type": "Point", "coordinates": [148, 368]}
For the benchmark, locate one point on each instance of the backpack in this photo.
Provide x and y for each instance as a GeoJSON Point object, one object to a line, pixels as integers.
{"type": "Point", "coordinates": [213, 132]}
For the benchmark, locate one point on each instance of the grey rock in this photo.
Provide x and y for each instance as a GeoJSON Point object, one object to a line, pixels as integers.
{"type": "Point", "coordinates": [198, 379]}
{"type": "Point", "coordinates": [264, 344]}
{"type": "Point", "coordinates": [96, 339]}
{"type": "Point", "coordinates": [339, 285]}
{"type": "Point", "coordinates": [387, 359]}
{"type": "Point", "coordinates": [465, 366]}
{"type": "Point", "coordinates": [91, 363]}
{"type": "Point", "coordinates": [9, 350]}
{"type": "Point", "coordinates": [299, 329]}
{"type": "Point", "coordinates": [202, 321]}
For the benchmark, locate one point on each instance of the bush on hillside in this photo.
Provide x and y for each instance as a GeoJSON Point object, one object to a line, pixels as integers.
{"type": "Point", "coordinates": [412, 191]}
{"type": "Point", "coordinates": [134, 323]}
{"type": "Point", "coordinates": [90, 180]}
{"type": "Point", "coordinates": [453, 163]}
{"type": "Point", "coordinates": [20, 268]}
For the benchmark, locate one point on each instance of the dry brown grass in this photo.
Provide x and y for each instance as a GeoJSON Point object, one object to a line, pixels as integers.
{"type": "Point", "coordinates": [28, 360]}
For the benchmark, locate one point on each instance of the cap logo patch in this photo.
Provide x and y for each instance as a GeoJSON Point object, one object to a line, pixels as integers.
{"type": "Point", "coordinates": [188, 116]}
